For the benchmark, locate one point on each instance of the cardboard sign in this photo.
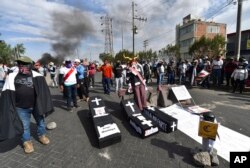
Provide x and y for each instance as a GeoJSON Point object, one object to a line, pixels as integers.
{"type": "Point", "coordinates": [99, 112]}
{"type": "Point", "coordinates": [107, 130]}
{"type": "Point", "coordinates": [208, 129]}
{"type": "Point", "coordinates": [181, 93]}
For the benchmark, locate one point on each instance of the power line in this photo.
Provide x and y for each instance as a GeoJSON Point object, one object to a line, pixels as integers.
{"type": "Point", "coordinates": [219, 10]}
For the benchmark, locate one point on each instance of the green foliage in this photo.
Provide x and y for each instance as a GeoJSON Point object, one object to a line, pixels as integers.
{"type": "Point", "coordinates": [206, 46]}
{"type": "Point", "coordinates": [172, 51]}
{"type": "Point", "coordinates": [5, 53]}
{"type": "Point", "coordinates": [18, 50]}
{"type": "Point", "coordinates": [106, 56]}
{"type": "Point", "coordinates": [147, 55]}
{"type": "Point", "coordinates": [120, 55]}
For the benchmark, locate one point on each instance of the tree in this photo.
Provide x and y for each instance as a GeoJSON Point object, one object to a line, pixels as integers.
{"type": "Point", "coordinates": [207, 46]}
{"type": "Point", "coordinates": [172, 51]}
{"type": "Point", "coordinates": [5, 53]}
{"type": "Point", "coordinates": [147, 55]}
{"type": "Point", "coordinates": [120, 55]}
{"type": "Point", "coordinates": [217, 46]}
{"type": "Point", "coordinates": [18, 50]}
{"type": "Point", "coordinates": [106, 56]}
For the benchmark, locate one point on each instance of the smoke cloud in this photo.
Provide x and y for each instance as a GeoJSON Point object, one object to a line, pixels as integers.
{"type": "Point", "coordinates": [70, 28]}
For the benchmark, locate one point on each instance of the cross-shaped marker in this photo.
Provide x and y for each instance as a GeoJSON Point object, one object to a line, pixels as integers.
{"type": "Point", "coordinates": [130, 105]}
{"type": "Point", "coordinates": [148, 122]}
{"type": "Point", "coordinates": [151, 108]}
{"type": "Point", "coordinates": [96, 100]}
{"type": "Point", "coordinates": [173, 126]}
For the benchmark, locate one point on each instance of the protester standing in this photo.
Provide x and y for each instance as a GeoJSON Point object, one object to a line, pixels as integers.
{"type": "Point", "coordinates": [25, 92]}
{"type": "Point", "coordinates": [52, 71]}
{"type": "Point", "coordinates": [118, 76]}
{"type": "Point", "coordinates": [3, 73]}
{"type": "Point", "coordinates": [106, 70]}
{"type": "Point", "coordinates": [230, 66]}
{"type": "Point", "coordinates": [70, 81]}
{"type": "Point", "coordinates": [216, 70]}
{"type": "Point", "coordinates": [138, 84]}
{"type": "Point", "coordinates": [239, 75]}
{"type": "Point", "coordinates": [80, 80]}
{"type": "Point", "coordinates": [171, 72]}
{"type": "Point", "coordinates": [92, 71]}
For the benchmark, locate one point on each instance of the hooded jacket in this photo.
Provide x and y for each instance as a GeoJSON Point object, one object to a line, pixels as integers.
{"type": "Point", "coordinates": [10, 124]}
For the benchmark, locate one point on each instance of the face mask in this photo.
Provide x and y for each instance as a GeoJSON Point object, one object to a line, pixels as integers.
{"type": "Point", "coordinates": [25, 69]}
{"type": "Point", "coordinates": [68, 65]}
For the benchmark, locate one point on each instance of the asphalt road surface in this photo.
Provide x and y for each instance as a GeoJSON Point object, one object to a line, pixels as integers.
{"type": "Point", "coordinates": [74, 142]}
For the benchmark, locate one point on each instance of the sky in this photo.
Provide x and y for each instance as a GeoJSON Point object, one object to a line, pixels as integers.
{"type": "Point", "coordinates": [73, 28]}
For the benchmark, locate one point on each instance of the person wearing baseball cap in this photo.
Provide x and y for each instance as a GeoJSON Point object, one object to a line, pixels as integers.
{"type": "Point", "coordinates": [25, 92]}
{"type": "Point", "coordinates": [82, 88]}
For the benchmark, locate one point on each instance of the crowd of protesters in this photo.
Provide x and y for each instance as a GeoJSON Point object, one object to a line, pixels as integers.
{"type": "Point", "coordinates": [25, 81]}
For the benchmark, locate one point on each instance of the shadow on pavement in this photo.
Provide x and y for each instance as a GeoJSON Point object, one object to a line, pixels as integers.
{"type": "Point", "coordinates": [116, 111]}
{"type": "Point", "coordinates": [9, 144]}
{"type": "Point", "coordinates": [59, 102]}
{"type": "Point", "coordinates": [14, 142]}
{"type": "Point", "coordinates": [174, 148]}
{"type": "Point", "coordinates": [88, 126]}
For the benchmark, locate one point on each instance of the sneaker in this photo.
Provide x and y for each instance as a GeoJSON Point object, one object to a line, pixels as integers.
{"type": "Point", "coordinates": [44, 140]}
{"type": "Point", "coordinates": [87, 99]}
{"type": "Point", "coordinates": [28, 147]}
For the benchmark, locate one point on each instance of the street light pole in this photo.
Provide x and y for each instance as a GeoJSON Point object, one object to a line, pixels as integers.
{"type": "Point", "coordinates": [133, 27]}
{"type": "Point", "coordinates": [238, 30]}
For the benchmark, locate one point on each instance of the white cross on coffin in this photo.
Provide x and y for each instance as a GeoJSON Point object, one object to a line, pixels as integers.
{"type": "Point", "coordinates": [173, 126]}
{"type": "Point", "coordinates": [130, 105]}
{"type": "Point", "coordinates": [151, 108]}
{"type": "Point", "coordinates": [96, 100]}
{"type": "Point", "coordinates": [148, 122]}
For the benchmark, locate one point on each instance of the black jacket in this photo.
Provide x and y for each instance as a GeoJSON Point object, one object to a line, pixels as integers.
{"type": "Point", "coordinates": [10, 123]}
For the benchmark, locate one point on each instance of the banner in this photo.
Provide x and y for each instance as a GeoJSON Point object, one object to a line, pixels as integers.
{"type": "Point", "coordinates": [208, 129]}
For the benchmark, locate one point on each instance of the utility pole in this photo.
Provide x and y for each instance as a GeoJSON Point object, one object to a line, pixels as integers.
{"type": "Point", "coordinates": [108, 49]}
{"type": "Point", "coordinates": [238, 30]}
{"type": "Point", "coordinates": [134, 28]}
{"type": "Point", "coordinates": [145, 44]}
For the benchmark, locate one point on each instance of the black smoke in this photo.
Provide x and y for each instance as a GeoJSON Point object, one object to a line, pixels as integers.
{"type": "Point", "coordinates": [70, 28]}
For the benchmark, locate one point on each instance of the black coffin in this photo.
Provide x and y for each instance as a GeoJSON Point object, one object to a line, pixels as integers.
{"type": "Point", "coordinates": [107, 131]}
{"type": "Point", "coordinates": [96, 101]}
{"type": "Point", "coordinates": [97, 107]}
{"type": "Point", "coordinates": [143, 125]}
{"type": "Point", "coordinates": [130, 107]}
{"type": "Point", "coordinates": [164, 121]}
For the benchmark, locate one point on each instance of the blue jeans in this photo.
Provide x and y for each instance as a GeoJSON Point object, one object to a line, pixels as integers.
{"type": "Point", "coordinates": [1, 84]}
{"type": "Point", "coordinates": [182, 78]}
{"type": "Point", "coordinates": [216, 77]}
{"type": "Point", "coordinates": [171, 78]}
{"type": "Point", "coordinates": [106, 85]}
{"type": "Point", "coordinates": [160, 79]}
{"type": "Point", "coordinates": [71, 95]}
{"type": "Point", "coordinates": [25, 115]}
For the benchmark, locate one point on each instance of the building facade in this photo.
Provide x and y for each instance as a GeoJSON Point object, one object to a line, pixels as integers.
{"type": "Point", "coordinates": [194, 29]}
{"type": "Point", "coordinates": [244, 45]}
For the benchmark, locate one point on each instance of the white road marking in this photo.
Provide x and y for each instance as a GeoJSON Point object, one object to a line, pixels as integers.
{"type": "Point", "coordinates": [105, 155]}
{"type": "Point", "coordinates": [229, 140]}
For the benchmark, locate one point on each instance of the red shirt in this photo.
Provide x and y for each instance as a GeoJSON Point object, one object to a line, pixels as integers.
{"type": "Point", "coordinates": [106, 70]}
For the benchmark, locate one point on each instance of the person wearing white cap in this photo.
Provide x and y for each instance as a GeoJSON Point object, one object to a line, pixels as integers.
{"type": "Point", "coordinates": [80, 81]}
{"type": "Point", "coordinates": [52, 71]}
